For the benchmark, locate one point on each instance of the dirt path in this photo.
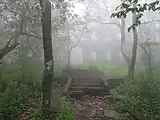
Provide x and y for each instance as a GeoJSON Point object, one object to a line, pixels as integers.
{"type": "Point", "coordinates": [95, 108]}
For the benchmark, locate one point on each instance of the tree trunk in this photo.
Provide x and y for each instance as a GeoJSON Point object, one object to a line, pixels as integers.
{"type": "Point", "coordinates": [150, 61]}
{"type": "Point", "coordinates": [48, 60]}
{"type": "Point", "coordinates": [147, 58]}
{"type": "Point", "coordinates": [134, 48]}
{"type": "Point", "coordinates": [69, 49]}
{"type": "Point", "coordinates": [123, 40]}
{"type": "Point", "coordinates": [69, 59]}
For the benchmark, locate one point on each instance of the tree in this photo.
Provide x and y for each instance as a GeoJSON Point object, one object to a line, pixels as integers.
{"type": "Point", "coordinates": [48, 59]}
{"type": "Point", "coordinates": [16, 17]}
{"type": "Point", "coordinates": [138, 11]}
{"type": "Point", "coordinates": [147, 53]}
{"type": "Point", "coordinates": [125, 7]}
{"type": "Point", "coordinates": [135, 44]}
{"type": "Point", "coordinates": [70, 46]}
{"type": "Point", "coordinates": [123, 40]}
{"type": "Point", "coordinates": [12, 42]}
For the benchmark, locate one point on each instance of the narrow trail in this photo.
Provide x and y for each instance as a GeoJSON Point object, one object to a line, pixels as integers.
{"type": "Point", "coordinates": [95, 108]}
{"type": "Point", "coordinates": [88, 87]}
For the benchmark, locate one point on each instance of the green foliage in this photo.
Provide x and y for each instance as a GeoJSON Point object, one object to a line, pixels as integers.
{"type": "Point", "coordinates": [67, 112]}
{"type": "Point", "coordinates": [19, 85]}
{"type": "Point", "coordinates": [20, 91]}
{"type": "Point", "coordinates": [81, 67]}
{"type": "Point", "coordinates": [127, 6]}
{"type": "Point", "coordinates": [114, 72]}
{"type": "Point", "coordinates": [111, 70]}
{"type": "Point", "coordinates": [92, 67]}
{"type": "Point", "coordinates": [141, 97]}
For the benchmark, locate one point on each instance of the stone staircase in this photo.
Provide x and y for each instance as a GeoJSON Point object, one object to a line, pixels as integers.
{"type": "Point", "coordinates": [82, 86]}
{"type": "Point", "coordinates": [81, 82]}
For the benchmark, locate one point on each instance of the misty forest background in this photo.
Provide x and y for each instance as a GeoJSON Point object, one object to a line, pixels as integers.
{"type": "Point", "coordinates": [41, 38]}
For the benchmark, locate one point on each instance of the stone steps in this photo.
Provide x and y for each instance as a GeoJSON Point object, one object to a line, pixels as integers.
{"type": "Point", "coordinates": [76, 94]}
{"type": "Point", "coordinates": [81, 86]}
{"type": "Point", "coordinates": [79, 91]}
{"type": "Point", "coordinates": [86, 82]}
{"type": "Point", "coordinates": [86, 88]}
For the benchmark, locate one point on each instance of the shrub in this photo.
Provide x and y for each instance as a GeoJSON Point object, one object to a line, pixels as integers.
{"type": "Point", "coordinates": [112, 70]}
{"type": "Point", "coordinates": [18, 87]}
{"type": "Point", "coordinates": [92, 67]}
{"type": "Point", "coordinates": [67, 112]}
{"type": "Point", "coordinates": [14, 101]}
{"type": "Point", "coordinates": [141, 97]}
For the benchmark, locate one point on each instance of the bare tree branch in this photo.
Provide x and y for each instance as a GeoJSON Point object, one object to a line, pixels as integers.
{"type": "Point", "coordinates": [149, 43]}
{"type": "Point", "coordinates": [9, 41]}
{"type": "Point", "coordinates": [6, 50]}
{"type": "Point", "coordinates": [6, 6]}
{"type": "Point", "coordinates": [15, 12]}
{"type": "Point", "coordinates": [75, 45]}
{"type": "Point", "coordinates": [150, 22]}
{"type": "Point", "coordinates": [31, 35]}
{"type": "Point", "coordinates": [105, 23]}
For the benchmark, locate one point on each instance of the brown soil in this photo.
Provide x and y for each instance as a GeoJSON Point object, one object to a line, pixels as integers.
{"type": "Point", "coordinates": [95, 108]}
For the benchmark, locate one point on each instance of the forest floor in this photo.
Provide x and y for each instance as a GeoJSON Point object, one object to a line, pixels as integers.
{"type": "Point", "coordinates": [96, 108]}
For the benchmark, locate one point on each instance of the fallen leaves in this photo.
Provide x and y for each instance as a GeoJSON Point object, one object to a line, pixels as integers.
{"type": "Point", "coordinates": [95, 108]}
{"type": "Point", "coordinates": [90, 108]}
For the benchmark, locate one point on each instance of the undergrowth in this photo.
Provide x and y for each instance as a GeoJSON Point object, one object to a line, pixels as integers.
{"type": "Point", "coordinates": [67, 111]}
{"type": "Point", "coordinates": [20, 91]}
{"type": "Point", "coordinates": [141, 97]}
{"type": "Point", "coordinates": [20, 85]}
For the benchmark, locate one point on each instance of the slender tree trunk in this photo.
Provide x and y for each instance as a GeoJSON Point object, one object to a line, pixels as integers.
{"type": "Point", "coordinates": [48, 60]}
{"type": "Point", "coordinates": [123, 40]}
{"type": "Point", "coordinates": [134, 48]}
{"type": "Point", "coordinates": [150, 61]}
{"type": "Point", "coordinates": [69, 59]}
{"type": "Point", "coordinates": [148, 54]}
{"type": "Point", "coordinates": [68, 51]}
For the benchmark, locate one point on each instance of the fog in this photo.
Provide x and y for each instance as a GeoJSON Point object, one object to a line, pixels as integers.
{"type": "Point", "coordinates": [102, 34]}
{"type": "Point", "coordinates": [87, 31]}
{"type": "Point", "coordinates": [79, 59]}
